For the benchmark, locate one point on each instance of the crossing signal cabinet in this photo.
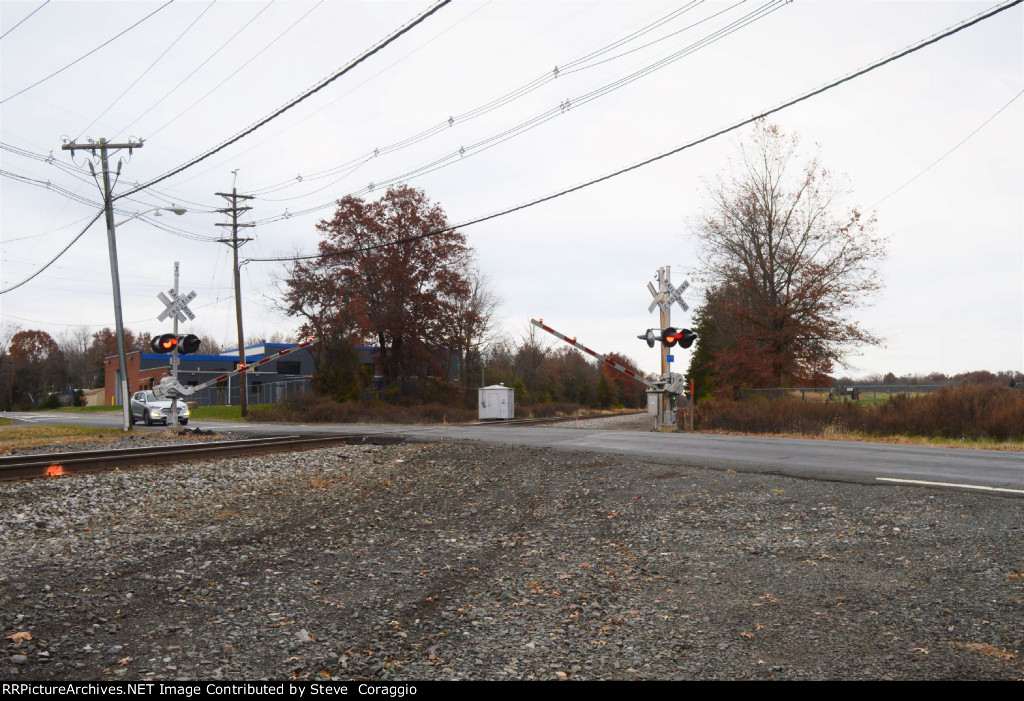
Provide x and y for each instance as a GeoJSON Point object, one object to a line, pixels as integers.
{"type": "Point", "coordinates": [496, 402]}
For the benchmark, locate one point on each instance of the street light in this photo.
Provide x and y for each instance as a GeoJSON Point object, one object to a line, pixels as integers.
{"type": "Point", "coordinates": [156, 210]}
{"type": "Point", "coordinates": [118, 322]}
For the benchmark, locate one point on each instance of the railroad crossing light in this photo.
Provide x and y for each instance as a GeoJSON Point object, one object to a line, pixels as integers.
{"type": "Point", "coordinates": [684, 337]}
{"type": "Point", "coordinates": [188, 344]}
{"type": "Point", "coordinates": [650, 337]}
{"type": "Point", "coordinates": [168, 342]}
{"type": "Point", "coordinates": [164, 344]}
{"type": "Point", "coordinates": [669, 337]}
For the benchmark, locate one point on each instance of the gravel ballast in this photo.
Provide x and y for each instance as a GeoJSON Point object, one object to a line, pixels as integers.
{"type": "Point", "coordinates": [467, 561]}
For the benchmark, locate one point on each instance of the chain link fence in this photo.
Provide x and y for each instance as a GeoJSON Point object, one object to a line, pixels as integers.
{"type": "Point", "coordinates": [227, 393]}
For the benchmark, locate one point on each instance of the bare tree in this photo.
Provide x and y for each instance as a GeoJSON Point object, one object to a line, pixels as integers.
{"type": "Point", "coordinates": [74, 350]}
{"type": "Point", "coordinates": [7, 332]}
{"type": "Point", "coordinates": [475, 317]}
{"type": "Point", "coordinates": [787, 263]}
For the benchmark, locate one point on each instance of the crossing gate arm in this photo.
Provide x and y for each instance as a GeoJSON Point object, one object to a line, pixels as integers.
{"type": "Point", "coordinates": [169, 387]}
{"type": "Point", "coordinates": [604, 359]}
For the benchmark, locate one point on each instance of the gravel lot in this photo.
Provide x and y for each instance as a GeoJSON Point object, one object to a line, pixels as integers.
{"type": "Point", "coordinates": [417, 562]}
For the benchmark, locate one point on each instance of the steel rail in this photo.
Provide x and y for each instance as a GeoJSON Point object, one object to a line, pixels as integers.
{"type": "Point", "coordinates": [78, 462]}
{"type": "Point", "coordinates": [52, 464]}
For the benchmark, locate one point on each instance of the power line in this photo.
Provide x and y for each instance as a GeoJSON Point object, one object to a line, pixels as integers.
{"type": "Point", "coordinates": [141, 75]}
{"type": "Point", "coordinates": [50, 186]}
{"type": "Point", "coordinates": [236, 71]}
{"type": "Point", "coordinates": [43, 80]}
{"type": "Point", "coordinates": [316, 88]}
{"type": "Point", "coordinates": [79, 173]}
{"type": "Point", "coordinates": [25, 18]}
{"type": "Point", "coordinates": [394, 36]}
{"type": "Point", "coordinates": [46, 233]}
{"type": "Point", "coordinates": [196, 69]}
{"type": "Point", "coordinates": [535, 121]}
{"type": "Point", "coordinates": [54, 259]}
{"type": "Point", "coordinates": [487, 107]}
{"type": "Point", "coordinates": [789, 103]}
{"type": "Point", "coordinates": [943, 156]}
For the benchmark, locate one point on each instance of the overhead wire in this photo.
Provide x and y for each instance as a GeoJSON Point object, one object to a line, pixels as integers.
{"type": "Point", "coordinates": [148, 69]}
{"type": "Point", "coordinates": [394, 36]}
{"type": "Point", "coordinates": [46, 233]}
{"type": "Point", "coordinates": [24, 18]}
{"type": "Point", "coordinates": [538, 119]}
{"type": "Point", "coordinates": [55, 258]}
{"type": "Point", "coordinates": [319, 86]}
{"type": "Point", "coordinates": [84, 56]}
{"type": "Point", "coordinates": [917, 46]}
{"type": "Point", "coordinates": [196, 69]}
{"type": "Point", "coordinates": [235, 72]}
{"type": "Point", "coordinates": [950, 151]}
{"type": "Point", "coordinates": [348, 92]}
{"type": "Point", "coordinates": [505, 99]}
{"type": "Point", "coordinates": [48, 185]}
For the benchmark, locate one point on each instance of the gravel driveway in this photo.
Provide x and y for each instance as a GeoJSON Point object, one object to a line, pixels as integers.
{"type": "Point", "coordinates": [418, 562]}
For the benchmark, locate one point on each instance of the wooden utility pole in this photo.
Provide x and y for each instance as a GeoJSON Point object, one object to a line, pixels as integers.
{"type": "Point", "coordinates": [234, 242]}
{"type": "Point", "coordinates": [108, 205]}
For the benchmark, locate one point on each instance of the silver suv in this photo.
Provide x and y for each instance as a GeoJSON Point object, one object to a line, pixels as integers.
{"type": "Point", "coordinates": [148, 409]}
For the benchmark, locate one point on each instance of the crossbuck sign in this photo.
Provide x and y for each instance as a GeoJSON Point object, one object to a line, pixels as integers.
{"type": "Point", "coordinates": [176, 306]}
{"type": "Point", "coordinates": [668, 294]}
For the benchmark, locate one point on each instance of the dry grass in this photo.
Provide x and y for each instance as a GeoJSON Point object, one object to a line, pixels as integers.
{"type": "Point", "coordinates": [978, 416]}
{"type": "Point", "coordinates": [989, 651]}
{"type": "Point", "coordinates": [831, 435]}
{"type": "Point", "coordinates": [23, 437]}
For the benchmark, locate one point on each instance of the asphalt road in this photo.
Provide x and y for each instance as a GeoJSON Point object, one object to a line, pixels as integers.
{"type": "Point", "coordinates": [1000, 472]}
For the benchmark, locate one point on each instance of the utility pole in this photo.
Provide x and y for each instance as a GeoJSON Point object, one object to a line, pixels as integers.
{"type": "Point", "coordinates": [234, 242]}
{"type": "Point", "coordinates": [108, 205]}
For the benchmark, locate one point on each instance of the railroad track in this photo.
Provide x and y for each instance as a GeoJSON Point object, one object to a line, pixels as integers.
{"type": "Point", "coordinates": [56, 464]}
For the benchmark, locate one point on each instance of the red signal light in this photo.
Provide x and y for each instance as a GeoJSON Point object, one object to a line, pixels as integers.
{"type": "Point", "coordinates": [165, 343]}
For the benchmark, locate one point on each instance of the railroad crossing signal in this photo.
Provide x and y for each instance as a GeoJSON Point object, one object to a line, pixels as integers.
{"type": "Point", "coordinates": [168, 342]}
{"type": "Point", "coordinates": [672, 336]}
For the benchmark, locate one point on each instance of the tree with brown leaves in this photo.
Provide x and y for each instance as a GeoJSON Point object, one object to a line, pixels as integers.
{"type": "Point", "coordinates": [384, 277]}
{"type": "Point", "coordinates": [787, 263]}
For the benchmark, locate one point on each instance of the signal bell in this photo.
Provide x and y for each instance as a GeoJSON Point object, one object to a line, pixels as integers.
{"type": "Point", "coordinates": [649, 337]}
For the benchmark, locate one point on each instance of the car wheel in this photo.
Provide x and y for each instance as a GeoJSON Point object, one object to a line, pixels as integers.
{"type": "Point", "coordinates": [184, 422]}
{"type": "Point", "coordinates": [131, 417]}
{"type": "Point", "coordinates": [145, 416]}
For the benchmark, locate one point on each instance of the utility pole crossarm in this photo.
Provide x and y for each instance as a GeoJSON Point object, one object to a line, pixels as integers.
{"type": "Point", "coordinates": [604, 359]}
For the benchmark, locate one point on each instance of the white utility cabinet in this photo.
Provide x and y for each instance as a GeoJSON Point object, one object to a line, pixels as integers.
{"type": "Point", "coordinates": [496, 402]}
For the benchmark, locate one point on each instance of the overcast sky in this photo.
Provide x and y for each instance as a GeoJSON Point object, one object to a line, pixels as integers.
{"type": "Point", "coordinates": [195, 74]}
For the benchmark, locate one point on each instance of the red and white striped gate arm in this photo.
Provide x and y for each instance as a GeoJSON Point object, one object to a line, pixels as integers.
{"type": "Point", "coordinates": [607, 361]}
{"type": "Point", "coordinates": [246, 368]}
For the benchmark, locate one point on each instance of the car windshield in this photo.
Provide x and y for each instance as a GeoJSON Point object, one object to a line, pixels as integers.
{"type": "Point", "coordinates": [150, 397]}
